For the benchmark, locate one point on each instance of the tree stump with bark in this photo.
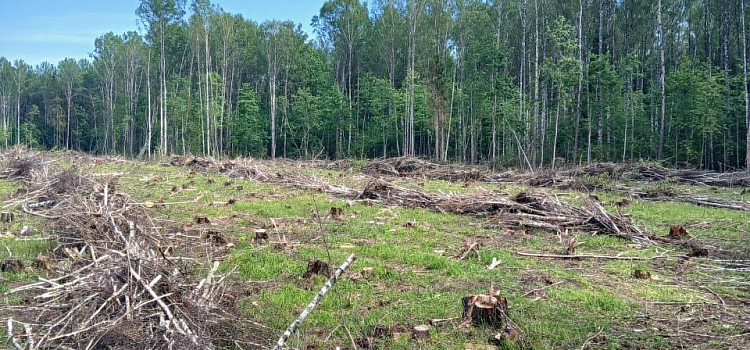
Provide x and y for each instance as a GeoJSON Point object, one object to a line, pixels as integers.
{"type": "Point", "coordinates": [317, 267]}
{"type": "Point", "coordinates": [484, 309]}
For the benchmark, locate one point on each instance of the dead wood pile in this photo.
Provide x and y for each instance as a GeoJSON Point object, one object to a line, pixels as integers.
{"type": "Point", "coordinates": [420, 168]}
{"type": "Point", "coordinates": [524, 210]}
{"type": "Point", "coordinates": [117, 281]}
{"type": "Point", "coordinates": [575, 178]}
{"type": "Point", "coordinates": [598, 176]}
{"type": "Point", "coordinates": [672, 195]}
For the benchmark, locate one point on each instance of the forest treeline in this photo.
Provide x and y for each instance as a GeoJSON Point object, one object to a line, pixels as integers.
{"type": "Point", "coordinates": [525, 83]}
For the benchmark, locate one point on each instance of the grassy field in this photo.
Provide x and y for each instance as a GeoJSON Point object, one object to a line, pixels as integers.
{"type": "Point", "coordinates": [407, 271]}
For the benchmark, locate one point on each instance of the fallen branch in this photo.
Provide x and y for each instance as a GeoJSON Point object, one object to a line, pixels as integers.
{"type": "Point", "coordinates": [592, 256]}
{"type": "Point", "coordinates": [495, 263]}
{"type": "Point", "coordinates": [318, 297]}
{"type": "Point", "coordinates": [542, 288]}
{"type": "Point", "coordinates": [589, 339]}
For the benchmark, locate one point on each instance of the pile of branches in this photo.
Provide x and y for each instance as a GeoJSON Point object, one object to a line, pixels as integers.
{"type": "Point", "coordinates": [420, 168]}
{"type": "Point", "coordinates": [524, 210]}
{"type": "Point", "coordinates": [576, 177]}
{"type": "Point", "coordinates": [118, 282]}
{"type": "Point", "coordinates": [672, 195]}
{"type": "Point", "coordinates": [245, 168]}
{"type": "Point", "coordinates": [598, 176]}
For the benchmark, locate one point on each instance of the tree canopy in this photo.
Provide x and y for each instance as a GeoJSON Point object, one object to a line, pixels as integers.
{"type": "Point", "coordinates": [525, 83]}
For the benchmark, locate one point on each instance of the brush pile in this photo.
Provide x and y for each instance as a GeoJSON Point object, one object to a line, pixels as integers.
{"type": "Point", "coordinates": [578, 178]}
{"type": "Point", "coordinates": [117, 281]}
{"type": "Point", "coordinates": [418, 168]}
{"type": "Point", "coordinates": [524, 210]}
{"type": "Point", "coordinates": [245, 168]}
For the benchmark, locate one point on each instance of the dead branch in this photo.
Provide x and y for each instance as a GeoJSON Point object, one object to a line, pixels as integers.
{"type": "Point", "coordinates": [593, 256]}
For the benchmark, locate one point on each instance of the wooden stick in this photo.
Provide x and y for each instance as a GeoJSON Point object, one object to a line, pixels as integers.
{"type": "Point", "coordinates": [306, 312]}
{"type": "Point", "coordinates": [542, 288]}
{"type": "Point", "coordinates": [592, 256]}
{"type": "Point", "coordinates": [589, 339]}
{"type": "Point", "coordinates": [13, 340]}
{"type": "Point", "coordinates": [495, 263]}
{"type": "Point", "coordinates": [471, 248]}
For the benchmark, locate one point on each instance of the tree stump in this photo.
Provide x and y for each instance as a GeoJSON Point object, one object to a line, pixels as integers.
{"type": "Point", "coordinates": [11, 265]}
{"type": "Point", "coordinates": [484, 309]}
{"type": "Point", "coordinates": [420, 332]}
{"type": "Point", "coordinates": [261, 235]}
{"type": "Point", "coordinates": [317, 267]}
{"type": "Point", "coordinates": [42, 262]}
{"type": "Point", "coordinates": [6, 217]}
{"type": "Point", "coordinates": [677, 232]}
{"type": "Point", "coordinates": [202, 220]}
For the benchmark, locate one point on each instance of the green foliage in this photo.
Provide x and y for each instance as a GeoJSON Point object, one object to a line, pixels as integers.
{"type": "Point", "coordinates": [497, 82]}
{"type": "Point", "coordinates": [250, 126]}
{"type": "Point", "coordinates": [696, 99]}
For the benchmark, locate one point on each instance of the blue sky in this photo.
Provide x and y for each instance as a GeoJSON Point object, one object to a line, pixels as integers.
{"type": "Point", "coordinates": [50, 30]}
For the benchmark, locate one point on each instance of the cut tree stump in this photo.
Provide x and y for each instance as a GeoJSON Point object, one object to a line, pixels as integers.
{"type": "Point", "coordinates": [317, 267]}
{"type": "Point", "coordinates": [6, 217]}
{"type": "Point", "coordinates": [11, 265]}
{"type": "Point", "coordinates": [42, 262]}
{"type": "Point", "coordinates": [215, 237]}
{"type": "Point", "coordinates": [261, 235]}
{"type": "Point", "coordinates": [484, 309]}
{"type": "Point", "coordinates": [420, 332]}
{"type": "Point", "coordinates": [202, 220]}
{"type": "Point", "coordinates": [678, 232]}
{"type": "Point", "coordinates": [336, 213]}
{"type": "Point", "coordinates": [642, 274]}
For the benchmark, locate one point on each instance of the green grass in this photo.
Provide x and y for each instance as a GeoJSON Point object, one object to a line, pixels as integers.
{"type": "Point", "coordinates": [412, 252]}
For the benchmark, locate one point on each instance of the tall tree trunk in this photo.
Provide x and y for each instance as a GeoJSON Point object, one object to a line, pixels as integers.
{"type": "Point", "coordinates": [163, 92]}
{"type": "Point", "coordinates": [580, 82]}
{"type": "Point", "coordinates": [521, 75]}
{"type": "Point", "coordinates": [662, 73]}
{"type": "Point", "coordinates": [535, 122]}
{"type": "Point", "coordinates": [209, 124]}
{"type": "Point", "coordinates": [69, 98]}
{"type": "Point", "coordinates": [744, 85]}
{"type": "Point", "coordinates": [150, 114]}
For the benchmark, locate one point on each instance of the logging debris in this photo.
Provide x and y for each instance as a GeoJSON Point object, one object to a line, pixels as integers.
{"type": "Point", "coordinates": [526, 210]}
{"type": "Point", "coordinates": [118, 280]}
{"type": "Point", "coordinates": [575, 177]}
{"type": "Point", "coordinates": [419, 168]}
{"type": "Point", "coordinates": [595, 177]}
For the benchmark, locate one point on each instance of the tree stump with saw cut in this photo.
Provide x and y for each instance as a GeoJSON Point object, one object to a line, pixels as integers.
{"type": "Point", "coordinates": [484, 309]}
